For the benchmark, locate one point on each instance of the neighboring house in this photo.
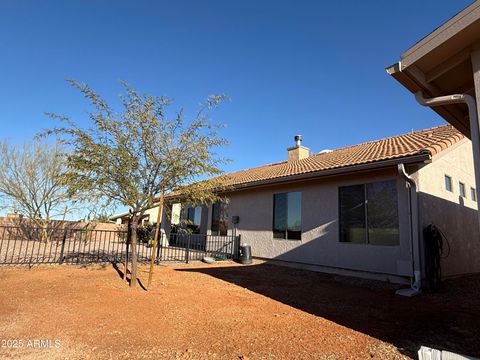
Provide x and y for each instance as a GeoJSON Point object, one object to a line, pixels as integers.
{"type": "Point", "coordinates": [348, 210]}
{"type": "Point", "coordinates": [150, 217]}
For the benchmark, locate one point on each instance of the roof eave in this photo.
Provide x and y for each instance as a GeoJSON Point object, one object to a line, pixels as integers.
{"type": "Point", "coordinates": [461, 22]}
{"type": "Point", "coordinates": [423, 157]}
{"type": "Point", "coordinates": [414, 84]}
{"type": "Point", "coordinates": [118, 216]}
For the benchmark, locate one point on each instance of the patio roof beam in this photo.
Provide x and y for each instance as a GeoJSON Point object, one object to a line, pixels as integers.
{"type": "Point", "coordinates": [448, 65]}
{"type": "Point", "coordinates": [417, 76]}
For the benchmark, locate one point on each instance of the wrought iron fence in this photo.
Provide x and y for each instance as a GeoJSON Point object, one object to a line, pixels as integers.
{"type": "Point", "coordinates": [30, 245]}
{"type": "Point", "coordinates": [186, 247]}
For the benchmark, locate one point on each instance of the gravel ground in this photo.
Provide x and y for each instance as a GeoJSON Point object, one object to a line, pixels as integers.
{"type": "Point", "coordinates": [226, 311]}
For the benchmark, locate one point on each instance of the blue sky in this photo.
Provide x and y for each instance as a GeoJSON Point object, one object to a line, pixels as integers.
{"type": "Point", "coordinates": [314, 68]}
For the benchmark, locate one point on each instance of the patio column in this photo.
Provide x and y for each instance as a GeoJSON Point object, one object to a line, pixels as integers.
{"type": "Point", "coordinates": [475, 58]}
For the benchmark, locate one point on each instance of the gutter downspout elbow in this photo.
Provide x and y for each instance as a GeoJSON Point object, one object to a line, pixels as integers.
{"type": "Point", "coordinates": [414, 235]}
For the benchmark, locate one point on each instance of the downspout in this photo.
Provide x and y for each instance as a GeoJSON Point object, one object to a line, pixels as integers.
{"type": "Point", "coordinates": [474, 124]}
{"type": "Point", "coordinates": [416, 282]}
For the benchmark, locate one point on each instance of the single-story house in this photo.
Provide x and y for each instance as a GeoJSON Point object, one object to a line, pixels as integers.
{"type": "Point", "coordinates": [358, 210]}
{"type": "Point", "coordinates": [149, 217]}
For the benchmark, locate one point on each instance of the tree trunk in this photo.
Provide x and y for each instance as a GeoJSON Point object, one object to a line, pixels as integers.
{"type": "Point", "coordinates": [45, 237]}
{"type": "Point", "coordinates": [133, 271]}
{"type": "Point", "coordinates": [155, 238]}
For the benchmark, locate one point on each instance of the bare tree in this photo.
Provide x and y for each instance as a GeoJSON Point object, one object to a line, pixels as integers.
{"type": "Point", "coordinates": [32, 182]}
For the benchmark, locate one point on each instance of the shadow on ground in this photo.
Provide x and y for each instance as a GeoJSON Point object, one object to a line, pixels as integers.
{"type": "Point", "coordinates": [122, 276]}
{"type": "Point", "coordinates": [448, 319]}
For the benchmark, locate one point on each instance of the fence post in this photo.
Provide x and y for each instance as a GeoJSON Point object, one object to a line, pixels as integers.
{"type": "Point", "coordinates": [127, 242]}
{"type": "Point", "coordinates": [187, 253]}
{"type": "Point", "coordinates": [237, 247]}
{"type": "Point", "coordinates": [62, 249]}
{"type": "Point", "coordinates": [160, 245]}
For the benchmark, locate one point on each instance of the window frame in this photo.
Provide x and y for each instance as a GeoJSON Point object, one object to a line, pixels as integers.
{"type": "Point", "coordinates": [450, 181]}
{"type": "Point", "coordinates": [218, 232]}
{"type": "Point", "coordinates": [462, 190]}
{"type": "Point", "coordinates": [473, 194]}
{"type": "Point", "coordinates": [286, 231]}
{"type": "Point", "coordinates": [195, 228]}
{"type": "Point", "coordinates": [366, 215]}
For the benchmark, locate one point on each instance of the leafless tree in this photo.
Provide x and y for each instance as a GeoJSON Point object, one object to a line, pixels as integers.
{"type": "Point", "coordinates": [32, 183]}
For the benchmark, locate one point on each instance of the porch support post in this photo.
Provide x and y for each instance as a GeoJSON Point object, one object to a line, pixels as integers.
{"type": "Point", "coordinates": [475, 58]}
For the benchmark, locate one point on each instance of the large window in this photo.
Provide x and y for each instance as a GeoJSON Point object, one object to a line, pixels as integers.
{"type": "Point", "coordinates": [194, 217]}
{"type": "Point", "coordinates": [287, 216]}
{"type": "Point", "coordinates": [220, 219]}
{"type": "Point", "coordinates": [369, 213]}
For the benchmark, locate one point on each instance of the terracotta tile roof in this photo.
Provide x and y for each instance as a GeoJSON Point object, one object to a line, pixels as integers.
{"type": "Point", "coordinates": [429, 141]}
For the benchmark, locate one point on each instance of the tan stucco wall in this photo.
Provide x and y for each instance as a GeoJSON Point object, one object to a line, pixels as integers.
{"type": "Point", "coordinates": [455, 216]}
{"type": "Point", "coordinates": [320, 239]}
{"type": "Point", "coordinates": [152, 215]}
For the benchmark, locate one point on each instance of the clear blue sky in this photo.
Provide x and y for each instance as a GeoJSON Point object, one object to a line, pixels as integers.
{"type": "Point", "coordinates": [314, 68]}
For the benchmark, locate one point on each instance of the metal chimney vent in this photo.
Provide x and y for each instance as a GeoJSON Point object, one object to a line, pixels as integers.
{"type": "Point", "coordinates": [298, 140]}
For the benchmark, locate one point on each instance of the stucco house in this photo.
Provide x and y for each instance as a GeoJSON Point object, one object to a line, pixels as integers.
{"type": "Point", "coordinates": [358, 210]}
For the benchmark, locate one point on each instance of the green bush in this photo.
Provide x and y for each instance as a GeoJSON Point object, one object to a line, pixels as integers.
{"type": "Point", "coordinates": [145, 233]}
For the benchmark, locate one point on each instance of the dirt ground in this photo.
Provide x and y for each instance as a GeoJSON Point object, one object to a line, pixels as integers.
{"type": "Point", "coordinates": [226, 311]}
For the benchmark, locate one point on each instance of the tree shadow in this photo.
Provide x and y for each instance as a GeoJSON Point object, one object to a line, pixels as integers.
{"type": "Point", "coordinates": [445, 320]}
{"type": "Point", "coordinates": [119, 271]}
{"type": "Point", "coordinates": [121, 274]}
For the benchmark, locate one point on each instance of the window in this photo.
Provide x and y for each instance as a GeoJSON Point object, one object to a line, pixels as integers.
{"type": "Point", "coordinates": [176, 210]}
{"type": "Point", "coordinates": [194, 217]}
{"type": "Point", "coordinates": [175, 221]}
{"type": "Point", "coordinates": [369, 213]}
{"type": "Point", "coordinates": [220, 219]}
{"type": "Point", "coordinates": [461, 188]}
{"type": "Point", "coordinates": [473, 194]}
{"type": "Point", "coordinates": [287, 216]}
{"type": "Point", "coordinates": [448, 183]}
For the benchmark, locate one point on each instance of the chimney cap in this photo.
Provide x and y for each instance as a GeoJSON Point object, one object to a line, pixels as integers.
{"type": "Point", "coordinates": [298, 140]}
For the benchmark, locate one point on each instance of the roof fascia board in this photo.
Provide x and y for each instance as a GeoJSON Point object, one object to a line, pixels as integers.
{"type": "Point", "coordinates": [443, 33]}
{"type": "Point", "coordinates": [118, 216]}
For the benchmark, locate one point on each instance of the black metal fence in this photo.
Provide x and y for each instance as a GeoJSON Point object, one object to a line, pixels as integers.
{"type": "Point", "coordinates": [186, 247]}
{"type": "Point", "coordinates": [29, 246]}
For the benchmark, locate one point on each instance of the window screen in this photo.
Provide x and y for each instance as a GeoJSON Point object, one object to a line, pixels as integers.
{"type": "Point", "coordinates": [352, 214]}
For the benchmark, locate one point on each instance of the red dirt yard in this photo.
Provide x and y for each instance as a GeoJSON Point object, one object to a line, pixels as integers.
{"type": "Point", "coordinates": [226, 311]}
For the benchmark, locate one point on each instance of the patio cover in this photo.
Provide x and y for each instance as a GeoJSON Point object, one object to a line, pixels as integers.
{"type": "Point", "coordinates": [446, 62]}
